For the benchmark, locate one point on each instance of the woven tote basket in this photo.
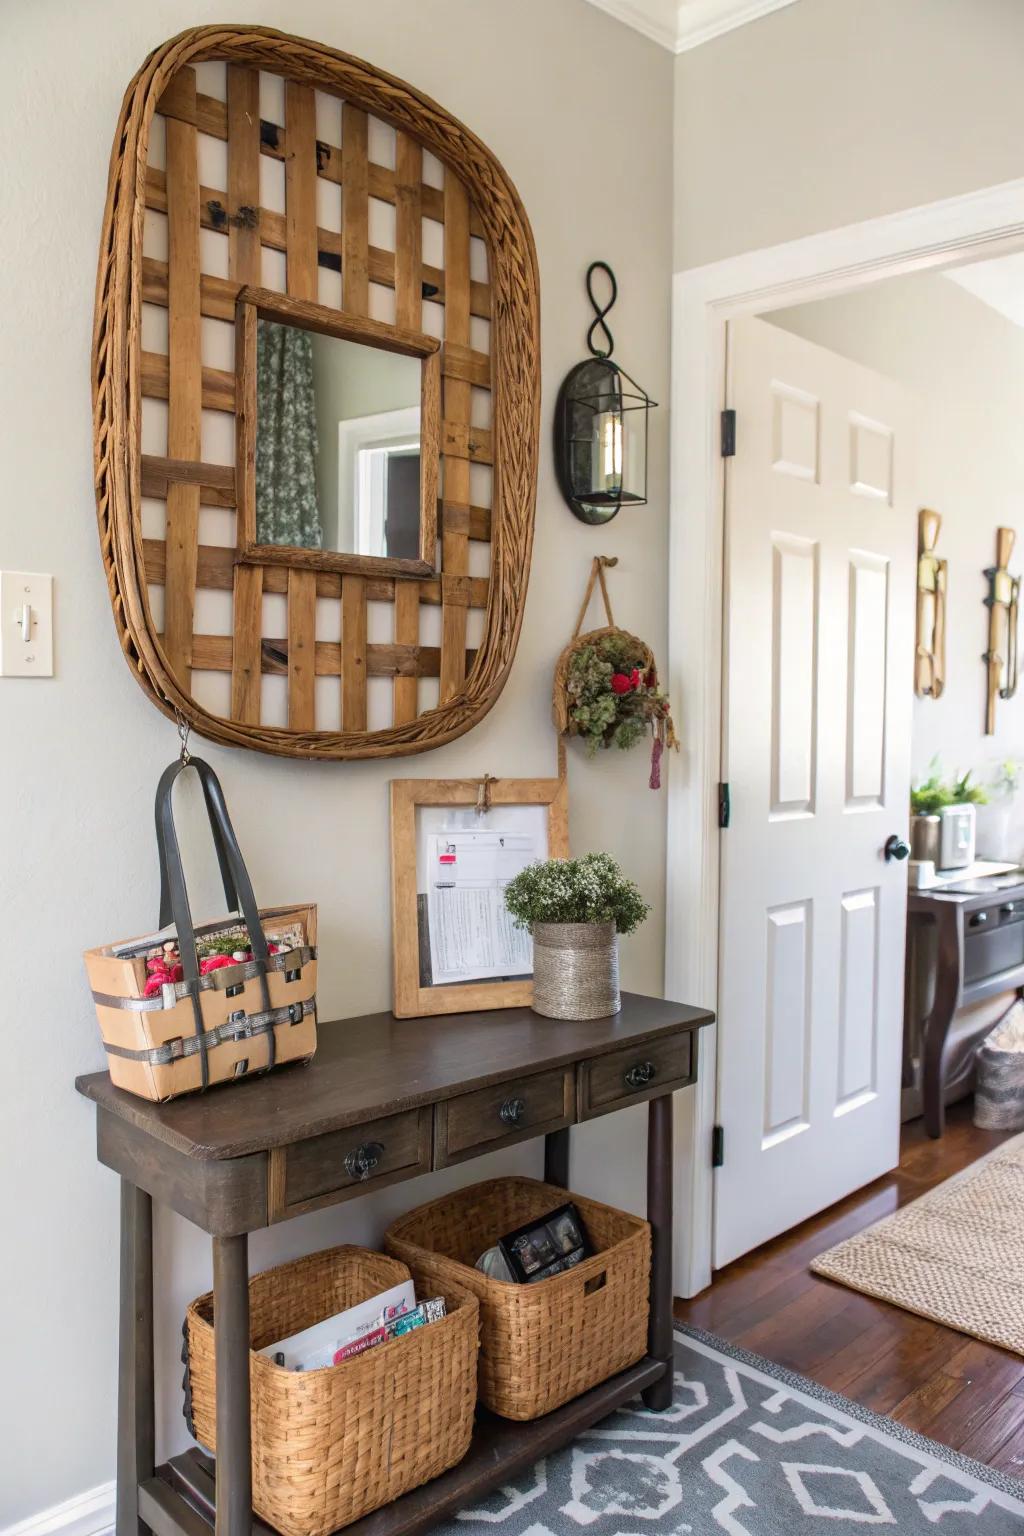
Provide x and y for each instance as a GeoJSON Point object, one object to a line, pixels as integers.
{"type": "Point", "coordinates": [329, 1446]}
{"type": "Point", "coordinates": [211, 1028]}
{"type": "Point", "coordinates": [542, 1344]}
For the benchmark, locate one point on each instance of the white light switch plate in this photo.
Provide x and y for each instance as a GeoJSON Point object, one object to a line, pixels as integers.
{"type": "Point", "coordinates": [26, 639]}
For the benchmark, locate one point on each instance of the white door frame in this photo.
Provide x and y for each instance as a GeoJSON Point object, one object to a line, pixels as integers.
{"type": "Point", "coordinates": [986, 223]}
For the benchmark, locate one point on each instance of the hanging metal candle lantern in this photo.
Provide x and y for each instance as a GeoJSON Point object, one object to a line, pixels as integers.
{"type": "Point", "coordinates": [601, 426]}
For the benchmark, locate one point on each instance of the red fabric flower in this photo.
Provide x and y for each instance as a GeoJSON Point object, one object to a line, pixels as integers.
{"type": "Point", "coordinates": [621, 683]}
{"type": "Point", "coordinates": [214, 963]}
{"type": "Point", "coordinates": [634, 677]}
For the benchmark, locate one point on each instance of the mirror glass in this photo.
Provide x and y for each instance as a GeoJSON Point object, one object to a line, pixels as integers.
{"type": "Point", "coordinates": [337, 444]}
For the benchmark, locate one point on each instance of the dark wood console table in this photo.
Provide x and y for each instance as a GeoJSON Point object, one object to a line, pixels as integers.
{"type": "Point", "coordinates": [979, 953]}
{"type": "Point", "coordinates": [429, 1092]}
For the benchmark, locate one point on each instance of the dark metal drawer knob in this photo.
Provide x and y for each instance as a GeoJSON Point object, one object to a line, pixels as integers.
{"type": "Point", "coordinates": [361, 1162]}
{"type": "Point", "coordinates": [512, 1111]}
{"type": "Point", "coordinates": [640, 1075]}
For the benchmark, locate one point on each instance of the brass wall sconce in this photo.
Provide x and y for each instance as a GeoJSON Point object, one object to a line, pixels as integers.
{"type": "Point", "coordinates": [1001, 602]}
{"type": "Point", "coordinates": [930, 655]}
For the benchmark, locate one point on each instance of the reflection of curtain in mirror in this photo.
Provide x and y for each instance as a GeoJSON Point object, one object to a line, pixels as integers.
{"type": "Point", "coordinates": [286, 438]}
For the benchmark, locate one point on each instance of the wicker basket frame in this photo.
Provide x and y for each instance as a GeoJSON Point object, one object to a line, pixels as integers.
{"type": "Point", "coordinates": [488, 206]}
{"type": "Point", "coordinates": [541, 1345]}
{"type": "Point", "coordinates": [329, 1446]}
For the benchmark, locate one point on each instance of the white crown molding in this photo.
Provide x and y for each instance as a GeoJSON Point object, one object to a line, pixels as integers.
{"type": "Point", "coordinates": [87, 1514]}
{"type": "Point", "coordinates": [679, 25]}
{"type": "Point", "coordinates": [656, 19]}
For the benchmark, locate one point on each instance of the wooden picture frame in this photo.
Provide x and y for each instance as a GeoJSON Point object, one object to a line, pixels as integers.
{"type": "Point", "coordinates": [411, 999]}
{"type": "Point", "coordinates": [220, 240]}
{"type": "Point", "coordinates": [255, 304]}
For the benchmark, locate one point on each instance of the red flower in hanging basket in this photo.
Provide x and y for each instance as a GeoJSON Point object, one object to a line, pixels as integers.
{"type": "Point", "coordinates": [621, 683]}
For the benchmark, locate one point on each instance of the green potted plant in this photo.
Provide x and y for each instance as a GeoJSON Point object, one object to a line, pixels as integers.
{"type": "Point", "coordinates": [575, 909]}
{"type": "Point", "coordinates": [928, 800]}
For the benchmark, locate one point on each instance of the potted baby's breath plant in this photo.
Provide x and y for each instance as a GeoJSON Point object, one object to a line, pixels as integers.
{"type": "Point", "coordinates": [575, 909]}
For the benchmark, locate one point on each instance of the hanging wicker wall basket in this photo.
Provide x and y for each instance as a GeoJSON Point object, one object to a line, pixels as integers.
{"type": "Point", "coordinates": [606, 688]}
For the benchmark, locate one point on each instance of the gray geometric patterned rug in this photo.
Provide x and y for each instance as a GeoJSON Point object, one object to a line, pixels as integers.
{"type": "Point", "coordinates": [748, 1449]}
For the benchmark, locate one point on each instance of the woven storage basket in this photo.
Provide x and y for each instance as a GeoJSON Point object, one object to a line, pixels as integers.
{"type": "Point", "coordinates": [541, 1344]}
{"type": "Point", "coordinates": [328, 1446]}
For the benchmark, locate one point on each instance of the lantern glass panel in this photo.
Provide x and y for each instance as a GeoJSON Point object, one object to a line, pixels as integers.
{"type": "Point", "coordinates": [606, 433]}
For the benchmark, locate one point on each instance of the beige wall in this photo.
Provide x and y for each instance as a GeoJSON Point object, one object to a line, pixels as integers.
{"type": "Point", "coordinates": [82, 753]}
{"type": "Point", "coordinates": [832, 111]}
{"type": "Point", "coordinates": [965, 363]}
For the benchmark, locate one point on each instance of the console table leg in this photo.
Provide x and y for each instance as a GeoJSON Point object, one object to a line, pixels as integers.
{"type": "Point", "coordinates": [556, 1158]}
{"type": "Point", "coordinates": [949, 970]}
{"type": "Point", "coordinates": [136, 1449]}
{"type": "Point", "coordinates": [659, 1214]}
{"type": "Point", "coordinates": [231, 1353]}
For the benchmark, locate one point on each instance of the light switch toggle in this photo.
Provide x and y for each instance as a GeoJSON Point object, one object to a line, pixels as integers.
{"type": "Point", "coordinates": [26, 624]}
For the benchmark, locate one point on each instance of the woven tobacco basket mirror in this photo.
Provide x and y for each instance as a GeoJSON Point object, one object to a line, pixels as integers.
{"type": "Point", "coordinates": [316, 400]}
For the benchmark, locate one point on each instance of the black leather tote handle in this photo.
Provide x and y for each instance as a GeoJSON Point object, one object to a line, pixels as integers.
{"type": "Point", "coordinates": [230, 896]}
{"type": "Point", "coordinates": [173, 887]}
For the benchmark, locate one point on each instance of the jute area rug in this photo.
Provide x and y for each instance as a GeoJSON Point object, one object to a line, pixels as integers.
{"type": "Point", "coordinates": [956, 1255]}
{"type": "Point", "coordinates": [748, 1449]}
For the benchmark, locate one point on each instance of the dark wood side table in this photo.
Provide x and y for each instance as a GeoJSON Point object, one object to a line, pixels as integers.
{"type": "Point", "coordinates": [403, 1096]}
{"type": "Point", "coordinates": [979, 937]}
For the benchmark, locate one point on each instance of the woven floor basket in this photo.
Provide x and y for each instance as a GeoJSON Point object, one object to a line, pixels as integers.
{"type": "Point", "coordinates": [328, 1446]}
{"type": "Point", "coordinates": [543, 1344]}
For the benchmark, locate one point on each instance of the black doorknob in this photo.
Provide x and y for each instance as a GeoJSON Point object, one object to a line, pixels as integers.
{"type": "Point", "coordinates": [896, 848]}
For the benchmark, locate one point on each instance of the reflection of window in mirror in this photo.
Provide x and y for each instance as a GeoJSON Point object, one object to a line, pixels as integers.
{"type": "Point", "coordinates": [337, 444]}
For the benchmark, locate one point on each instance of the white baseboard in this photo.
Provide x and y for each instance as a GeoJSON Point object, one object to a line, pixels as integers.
{"type": "Point", "coordinates": [86, 1514]}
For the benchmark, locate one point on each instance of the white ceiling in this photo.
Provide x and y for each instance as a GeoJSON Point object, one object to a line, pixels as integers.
{"type": "Point", "coordinates": [681, 24]}
{"type": "Point", "coordinates": [998, 283]}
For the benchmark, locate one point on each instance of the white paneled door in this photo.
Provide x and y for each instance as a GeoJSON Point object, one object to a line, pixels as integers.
{"type": "Point", "coordinates": [820, 561]}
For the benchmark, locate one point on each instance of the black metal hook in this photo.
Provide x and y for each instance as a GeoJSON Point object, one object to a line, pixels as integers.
{"type": "Point", "coordinates": [599, 312]}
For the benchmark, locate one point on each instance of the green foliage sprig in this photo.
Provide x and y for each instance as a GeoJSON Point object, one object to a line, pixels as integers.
{"type": "Point", "coordinates": [934, 794]}
{"type": "Point", "coordinates": [592, 889]}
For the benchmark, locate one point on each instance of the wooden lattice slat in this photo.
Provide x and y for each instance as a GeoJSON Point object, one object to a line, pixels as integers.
{"type": "Point", "coordinates": [213, 654]}
{"type": "Point", "coordinates": [245, 256]}
{"type": "Point", "coordinates": [216, 564]}
{"type": "Point", "coordinates": [301, 258]}
{"type": "Point", "coordinates": [409, 313]}
{"type": "Point", "coordinates": [184, 386]}
{"type": "Point", "coordinates": [476, 200]}
{"type": "Point", "coordinates": [208, 115]}
{"type": "Point", "coordinates": [380, 263]}
{"type": "Point", "coordinates": [455, 446]}
{"type": "Point", "coordinates": [355, 300]}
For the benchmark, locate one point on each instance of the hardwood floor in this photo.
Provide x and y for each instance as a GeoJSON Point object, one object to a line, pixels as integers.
{"type": "Point", "coordinates": [950, 1387]}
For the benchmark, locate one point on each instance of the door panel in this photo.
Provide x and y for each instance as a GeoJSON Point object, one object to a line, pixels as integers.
{"type": "Point", "coordinates": [820, 548]}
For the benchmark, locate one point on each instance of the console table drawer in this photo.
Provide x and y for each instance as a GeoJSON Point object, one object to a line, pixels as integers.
{"type": "Point", "coordinates": [341, 1164]}
{"type": "Point", "coordinates": [511, 1111]}
{"type": "Point", "coordinates": [635, 1074]}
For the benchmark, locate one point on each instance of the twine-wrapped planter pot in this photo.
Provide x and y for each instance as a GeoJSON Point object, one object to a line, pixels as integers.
{"type": "Point", "coordinates": [575, 970]}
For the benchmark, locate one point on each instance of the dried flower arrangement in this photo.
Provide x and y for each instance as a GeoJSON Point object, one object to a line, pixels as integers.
{"type": "Point", "coordinates": [606, 687]}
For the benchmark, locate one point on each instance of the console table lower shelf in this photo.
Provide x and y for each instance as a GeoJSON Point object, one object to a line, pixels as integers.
{"type": "Point", "coordinates": [184, 1487]}
{"type": "Point", "coordinates": [426, 1093]}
